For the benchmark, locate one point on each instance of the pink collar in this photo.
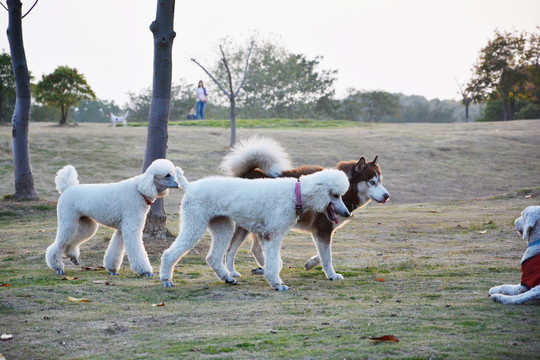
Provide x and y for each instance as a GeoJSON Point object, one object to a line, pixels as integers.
{"type": "Point", "coordinates": [298, 198]}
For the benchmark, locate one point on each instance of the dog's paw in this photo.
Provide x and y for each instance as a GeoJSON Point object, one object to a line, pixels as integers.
{"type": "Point", "coordinates": [257, 271]}
{"type": "Point", "coordinates": [281, 287]}
{"type": "Point", "coordinates": [235, 274]}
{"type": "Point", "coordinates": [113, 272]}
{"type": "Point", "coordinates": [335, 277]}
{"type": "Point", "coordinates": [311, 263]}
{"type": "Point", "coordinates": [75, 260]}
{"type": "Point", "coordinates": [167, 283]}
{"type": "Point", "coordinates": [147, 274]}
{"type": "Point", "coordinates": [495, 290]}
{"type": "Point", "coordinates": [229, 280]}
{"type": "Point", "coordinates": [60, 272]}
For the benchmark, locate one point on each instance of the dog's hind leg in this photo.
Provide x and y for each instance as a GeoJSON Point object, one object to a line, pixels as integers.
{"type": "Point", "coordinates": [237, 240]}
{"type": "Point", "coordinates": [271, 244]}
{"type": "Point", "coordinates": [221, 229]}
{"type": "Point", "coordinates": [115, 253]}
{"type": "Point", "coordinates": [86, 228]}
{"type": "Point", "coordinates": [191, 230]}
{"type": "Point", "coordinates": [257, 251]}
{"type": "Point", "coordinates": [67, 225]}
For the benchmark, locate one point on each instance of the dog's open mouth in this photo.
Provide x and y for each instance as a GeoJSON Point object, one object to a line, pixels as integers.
{"type": "Point", "coordinates": [383, 201]}
{"type": "Point", "coordinates": [331, 214]}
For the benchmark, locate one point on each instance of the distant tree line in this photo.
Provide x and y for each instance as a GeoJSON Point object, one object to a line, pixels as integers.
{"type": "Point", "coordinates": [280, 84]}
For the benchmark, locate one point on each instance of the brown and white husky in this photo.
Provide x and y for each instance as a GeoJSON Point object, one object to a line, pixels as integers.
{"type": "Point", "coordinates": [262, 157]}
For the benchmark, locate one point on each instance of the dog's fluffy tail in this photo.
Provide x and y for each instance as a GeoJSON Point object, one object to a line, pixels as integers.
{"type": "Point", "coordinates": [263, 153]}
{"type": "Point", "coordinates": [66, 177]}
{"type": "Point", "coordinates": [184, 183]}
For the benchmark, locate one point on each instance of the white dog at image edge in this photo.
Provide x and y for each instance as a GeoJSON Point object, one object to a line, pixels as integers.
{"type": "Point", "coordinates": [266, 207]}
{"type": "Point", "coordinates": [527, 225]}
{"type": "Point", "coordinates": [122, 206]}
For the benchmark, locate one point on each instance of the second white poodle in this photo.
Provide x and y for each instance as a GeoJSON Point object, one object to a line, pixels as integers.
{"type": "Point", "coordinates": [265, 207]}
{"type": "Point", "coordinates": [122, 206]}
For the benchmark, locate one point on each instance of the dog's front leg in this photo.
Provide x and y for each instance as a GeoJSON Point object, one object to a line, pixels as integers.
{"type": "Point", "coordinates": [271, 244]}
{"type": "Point", "coordinates": [507, 289]}
{"type": "Point", "coordinates": [533, 294]}
{"type": "Point", "coordinates": [323, 241]}
{"type": "Point", "coordinates": [115, 253]}
{"type": "Point", "coordinates": [138, 258]}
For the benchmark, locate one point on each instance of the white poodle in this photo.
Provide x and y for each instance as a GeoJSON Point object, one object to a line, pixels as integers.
{"type": "Point", "coordinates": [266, 207]}
{"type": "Point", "coordinates": [527, 225]}
{"type": "Point", "coordinates": [122, 206]}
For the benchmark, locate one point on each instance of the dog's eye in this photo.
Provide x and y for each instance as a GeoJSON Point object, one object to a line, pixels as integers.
{"type": "Point", "coordinates": [335, 196]}
{"type": "Point", "coordinates": [371, 182]}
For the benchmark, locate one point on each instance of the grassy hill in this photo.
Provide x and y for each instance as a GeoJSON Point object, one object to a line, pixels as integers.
{"type": "Point", "coordinates": [443, 240]}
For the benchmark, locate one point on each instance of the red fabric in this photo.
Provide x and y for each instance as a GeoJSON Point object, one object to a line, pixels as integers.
{"type": "Point", "coordinates": [530, 272]}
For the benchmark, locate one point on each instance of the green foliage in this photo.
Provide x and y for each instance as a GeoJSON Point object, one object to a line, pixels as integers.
{"type": "Point", "coordinates": [64, 88]}
{"type": "Point", "coordinates": [7, 88]}
{"type": "Point", "coordinates": [369, 106]}
{"type": "Point", "coordinates": [507, 69]}
{"type": "Point", "coordinates": [278, 83]}
{"type": "Point", "coordinates": [182, 99]}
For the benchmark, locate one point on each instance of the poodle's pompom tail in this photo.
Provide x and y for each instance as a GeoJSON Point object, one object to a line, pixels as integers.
{"type": "Point", "coordinates": [263, 153]}
{"type": "Point", "coordinates": [66, 177]}
{"type": "Point", "coordinates": [184, 183]}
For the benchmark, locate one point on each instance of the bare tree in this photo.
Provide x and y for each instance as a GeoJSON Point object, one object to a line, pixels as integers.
{"type": "Point", "coordinates": [466, 100]}
{"type": "Point", "coordinates": [24, 181]}
{"type": "Point", "coordinates": [231, 95]}
{"type": "Point", "coordinates": [158, 118]}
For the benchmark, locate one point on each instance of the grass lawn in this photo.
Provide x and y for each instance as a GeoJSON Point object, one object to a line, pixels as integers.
{"type": "Point", "coordinates": [418, 268]}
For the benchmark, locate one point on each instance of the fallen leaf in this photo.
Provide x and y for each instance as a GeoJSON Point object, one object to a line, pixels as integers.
{"type": "Point", "coordinates": [156, 305]}
{"type": "Point", "coordinates": [434, 211]}
{"type": "Point", "coordinates": [5, 337]}
{"type": "Point", "coordinates": [529, 196]}
{"type": "Point", "coordinates": [483, 232]}
{"type": "Point", "coordinates": [380, 279]}
{"type": "Point", "coordinates": [77, 300]}
{"type": "Point", "coordinates": [6, 285]}
{"type": "Point", "coordinates": [70, 278]}
{"type": "Point", "coordinates": [86, 268]}
{"type": "Point", "coordinates": [385, 338]}
{"type": "Point", "coordinates": [98, 282]}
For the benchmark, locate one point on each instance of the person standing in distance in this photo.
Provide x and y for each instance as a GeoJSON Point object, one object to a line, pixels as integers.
{"type": "Point", "coordinates": [202, 96]}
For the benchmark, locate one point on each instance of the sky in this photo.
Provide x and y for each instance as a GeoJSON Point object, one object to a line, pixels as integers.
{"type": "Point", "coordinates": [415, 47]}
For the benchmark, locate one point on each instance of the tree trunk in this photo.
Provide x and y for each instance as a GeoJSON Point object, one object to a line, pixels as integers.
{"type": "Point", "coordinates": [507, 110]}
{"type": "Point", "coordinates": [63, 119]}
{"type": "Point", "coordinates": [24, 181]}
{"type": "Point", "coordinates": [467, 103]}
{"type": "Point", "coordinates": [158, 118]}
{"type": "Point", "coordinates": [233, 120]}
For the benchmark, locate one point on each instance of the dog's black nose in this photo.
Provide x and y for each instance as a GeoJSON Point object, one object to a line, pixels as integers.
{"type": "Point", "coordinates": [386, 196]}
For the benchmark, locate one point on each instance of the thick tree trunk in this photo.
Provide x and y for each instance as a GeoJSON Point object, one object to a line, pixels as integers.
{"type": "Point", "coordinates": [24, 181]}
{"type": "Point", "coordinates": [63, 118]}
{"type": "Point", "coordinates": [158, 118]}
{"type": "Point", "coordinates": [467, 103]}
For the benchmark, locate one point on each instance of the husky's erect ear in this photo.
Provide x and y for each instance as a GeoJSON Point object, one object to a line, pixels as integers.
{"type": "Point", "coordinates": [360, 165]}
{"type": "Point", "coordinates": [375, 160]}
{"type": "Point", "coordinates": [146, 185]}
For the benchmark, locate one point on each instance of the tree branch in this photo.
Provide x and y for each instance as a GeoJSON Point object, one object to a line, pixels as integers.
{"type": "Point", "coordinates": [245, 70]}
{"type": "Point", "coordinates": [212, 77]}
{"type": "Point", "coordinates": [228, 70]}
{"type": "Point", "coordinates": [28, 12]}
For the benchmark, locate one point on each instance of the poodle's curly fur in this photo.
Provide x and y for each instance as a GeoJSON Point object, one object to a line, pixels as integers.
{"type": "Point", "coordinates": [265, 207]}
{"type": "Point", "coordinates": [122, 206]}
